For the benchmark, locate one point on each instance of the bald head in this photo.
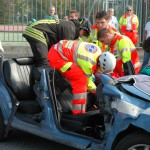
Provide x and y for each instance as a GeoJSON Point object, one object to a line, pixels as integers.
{"type": "Point", "coordinates": [101, 33]}
{"type": "Point", "coordinates": [105, 36]}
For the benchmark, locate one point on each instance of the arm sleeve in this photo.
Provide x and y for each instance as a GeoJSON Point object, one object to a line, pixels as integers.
{"type": "Point", "coordinates": [125, 50]}
{"type": "Point", "coordinates": [87, 69]}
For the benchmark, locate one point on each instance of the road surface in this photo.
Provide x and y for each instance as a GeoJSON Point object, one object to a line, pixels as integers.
{"type": "Point", "coordinates": [18, 140]}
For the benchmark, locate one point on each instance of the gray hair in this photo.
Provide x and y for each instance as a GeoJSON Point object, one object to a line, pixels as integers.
{"type": "Point", "coordinates": [129, 7]}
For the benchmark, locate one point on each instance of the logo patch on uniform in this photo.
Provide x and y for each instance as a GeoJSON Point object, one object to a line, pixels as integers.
{"type": "Point", "coordinates": [91, 48]}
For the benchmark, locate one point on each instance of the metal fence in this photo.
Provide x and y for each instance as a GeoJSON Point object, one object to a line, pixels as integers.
{"type": "Point", "coordinates": [16, 14]}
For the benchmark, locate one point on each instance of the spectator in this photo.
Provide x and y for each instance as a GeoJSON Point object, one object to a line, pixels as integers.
{"type": "Point", "coordinates": [102, 18]}
{"type": "Point", "coordinates": [124, 50]}
{"type": "Point", "coordinates": [42, 34]}
{"type": "Point", "coordinates": [51, 14]}
{"type": "Point", "coordinates": [113, 20]}
{"type": "Point", "coordinates": [66, 18]}
{"type": "Point", "coordinates": [74, 14]}
{"type": "Point", "coordinates": [128, 24]}
{"type": "Point", "coordinates": [147, 40]}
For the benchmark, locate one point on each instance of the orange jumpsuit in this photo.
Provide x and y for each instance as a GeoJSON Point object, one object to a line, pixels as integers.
{"type": "Point", "coordinates": [133, 33]}
{"type": "Point", "coordinates": [76, 61]}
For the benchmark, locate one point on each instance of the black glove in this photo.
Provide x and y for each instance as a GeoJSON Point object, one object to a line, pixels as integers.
{"type": "Point", "coordinates": [128, 68]}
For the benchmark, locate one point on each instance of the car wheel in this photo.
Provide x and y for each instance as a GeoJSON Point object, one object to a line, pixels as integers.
{"type": "Point", "coordinates": [134, 141]}
{"type": "Point", "coordinates": [2, 126]}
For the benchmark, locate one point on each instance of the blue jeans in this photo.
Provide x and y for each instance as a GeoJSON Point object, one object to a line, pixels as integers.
{"type": "Point", "coordinates": [145, 59]}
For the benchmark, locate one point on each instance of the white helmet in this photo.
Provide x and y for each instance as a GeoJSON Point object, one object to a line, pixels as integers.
{"type": "Point", "coordinates": [107, 62]}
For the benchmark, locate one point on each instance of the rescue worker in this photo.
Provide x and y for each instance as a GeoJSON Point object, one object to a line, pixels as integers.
{"type": "Point", "coordinates": [102, 18]}
{"type": "Point", "coordinates": [42, 34]}
{"type": "Point", "coordinates": [77, 61]}
{"type": "Point", "coordinates": [124, 50]}
{"type": "Point", "coordinates": [85, 30]}
{"type": "Point", "coordinates": [128, 24]}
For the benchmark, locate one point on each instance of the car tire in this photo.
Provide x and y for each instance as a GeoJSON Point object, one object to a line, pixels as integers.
{"type": "Point", "coordinates": [134, 140]}
{"type": "Point", "coordinates": [2, 126]}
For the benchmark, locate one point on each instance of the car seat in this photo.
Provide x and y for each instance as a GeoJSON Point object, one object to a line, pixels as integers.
{"type": "Point", "coordinates": [87, 123]}
{"type": "Point", "coordinates": [18, 74]}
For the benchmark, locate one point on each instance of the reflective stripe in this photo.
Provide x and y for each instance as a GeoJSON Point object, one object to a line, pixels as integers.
{"type": "Point", "coordinates": [79, 103]}
{"type": "Point", "coordinates": [86, 59]}
{"type": "Point", "coordinates": [79, 96]}
{"type": "Point", "coordinates": [59, 49]}
{"type": "Point", "coordinates": [35, 34]}
{"type": "Point", "coordinates": [80, 107]}
{"type": "Point", "coordinates": [75, 52]}
{"type": "Point", "coordinates": [60, 46]}
{"type": "Point", "coordinates": [126, 49]}
{"type": "Point", "coordinates": [45, 21]}
{"type": "Point", "coordinates": [136, 65]}
{"type": "Point", "coordinates": [132, 49]}
{"type": "Point", "coordinates": [66, 67]}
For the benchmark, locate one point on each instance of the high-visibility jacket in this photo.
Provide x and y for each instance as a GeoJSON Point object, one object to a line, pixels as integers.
{"type": "Point", "coordinates": [94, 32]}
{"type": "Point", "coordinates": [84, 54]}
{"type": "Point", "coordinates": [134, 23]}
{"type": "Point", "coordinates": [124, 50]}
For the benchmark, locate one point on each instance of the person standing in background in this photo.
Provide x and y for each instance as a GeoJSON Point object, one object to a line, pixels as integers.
{"type": "Point", "coordinates": [74, 14]}
{"type": "Point", "coordinates": [113, 20]}
{"type": "Point", "coordinates": [128, 24]}
{"type": "Point", "coordinates": [51, 14]}
{"type": "Point", "coordinates": [66, 18]}
{"type": "Point", "coordinates": [146, 40]}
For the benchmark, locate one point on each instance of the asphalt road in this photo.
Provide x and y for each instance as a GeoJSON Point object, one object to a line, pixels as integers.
{"type": "Point", "coordinates": [18, 140]}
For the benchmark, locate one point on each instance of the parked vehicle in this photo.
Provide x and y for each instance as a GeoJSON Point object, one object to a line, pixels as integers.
{"type": "Point", "coordinates": [120, 122]}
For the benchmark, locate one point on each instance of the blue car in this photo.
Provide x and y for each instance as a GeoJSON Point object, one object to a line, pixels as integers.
{"type": "Point", "coordinates": [117, 116]}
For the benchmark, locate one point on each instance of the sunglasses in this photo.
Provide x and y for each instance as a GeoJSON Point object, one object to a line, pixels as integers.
{"type": "Point", "coordinates": [129, 10]}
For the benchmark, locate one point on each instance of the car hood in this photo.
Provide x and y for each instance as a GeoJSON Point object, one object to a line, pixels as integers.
{"type": "Point", "coordinates": [136, 84]}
